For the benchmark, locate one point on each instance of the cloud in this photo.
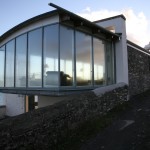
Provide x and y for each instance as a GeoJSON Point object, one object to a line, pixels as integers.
{"type": "Point", "coordinates": [136, 23]}
{"type": "Point", "coordinates": [137, 27]}
{"type": "Point", "coordinates": [97, 15]}
{"type": "Point", "coordinates": [87, 9]}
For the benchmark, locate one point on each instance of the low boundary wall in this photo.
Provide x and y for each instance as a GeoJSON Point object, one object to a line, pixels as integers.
{"type": "Point", "coordinates": [46, 127]}
{"type": "Point", "coordinates": [2, 111]}
{"type": "Point", "coordinates": [139, 71]}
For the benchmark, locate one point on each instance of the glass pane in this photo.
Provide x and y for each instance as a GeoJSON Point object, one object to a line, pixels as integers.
{"type": "Point", "coordinates": [10, 48]}
{"type": "Point", "coordinates": [2, 60]}
{"type": "Point", "coordinates": [21, 49]}
{"type": "Point", "coordinates": [35, 58]}
{"type": "Point", "coordinates": [83, 59]}
{"type": "Point", "coordinates": [99, 62]}
{"type": "Point", "coordinates": [66, 56]}
{"type": "Point", "coordinates": [110, 63]}
{"type": "Point", "coordinates": [51, 74]}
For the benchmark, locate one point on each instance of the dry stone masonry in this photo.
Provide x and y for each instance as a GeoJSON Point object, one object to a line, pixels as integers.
{"type": "Point", "coordinates": [46, 127]}
{"type": "Point", "coordinates": [139, 71]}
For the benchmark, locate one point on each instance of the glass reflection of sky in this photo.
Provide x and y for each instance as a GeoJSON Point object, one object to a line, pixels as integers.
{"type": "Point", "coordinates": [2, 67]}
{"type": "Point", "coordinates": [68, 52]}
{"type": "Point", "coordinates": [83, 58]}
{"type": "Point", "coordinates": [99, 60]}
{"type": "Point", "coordinates": [10, 49]}
{"type": "Point", "coordinates": [21, 52]}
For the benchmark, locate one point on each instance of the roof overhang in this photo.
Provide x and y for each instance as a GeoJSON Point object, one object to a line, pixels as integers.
{"type": "Point", "coordinates": [67, 16]}
{"type": "Point", "coordinates": [135, 46]}
{"type": "Point", "coordinates": [28, 22]}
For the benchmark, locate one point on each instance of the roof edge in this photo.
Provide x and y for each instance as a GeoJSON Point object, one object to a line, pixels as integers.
{"type": "Point", "coordinates": [110, 18]}
{"type": "Point", "coordinates": [137, 46]}
{"type": "Point", "coordinates": [85, 20]}
{"type": "Point", "coordinates": [58, 10]}
{"type": "Point", "coordinates": [27, 22]}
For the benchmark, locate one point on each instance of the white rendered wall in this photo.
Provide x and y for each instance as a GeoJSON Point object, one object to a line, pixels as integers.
{"type": "Point", "coordinates": [121, 48]}
{"type": "Point", "coordinates": [15, 104]}
{"type": "Point", "coordinates": [48, 100]}
{"type": "Point", "coordinates": [2, 101]}
{"type": "Point", "coordinates": [41, 23]}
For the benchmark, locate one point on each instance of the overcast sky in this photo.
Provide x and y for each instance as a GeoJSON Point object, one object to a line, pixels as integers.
{"type": "Point", "coordinates": [13, 12]}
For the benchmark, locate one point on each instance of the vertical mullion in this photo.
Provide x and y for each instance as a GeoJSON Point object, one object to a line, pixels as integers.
{"type": "Point", "coordinates": [114, 62]}
{"type": "Point", "coordinates": [5, 67]}
{"type": "Point", "coordinates": [75, 79]}
{"type": "Point", "coordinates": [27, 47]}
{"type": "Point", "coordinates": [15, 62]}
{"type": "Point", "coordinates": [92, 61]}
{"type": "Point", "coordinates": [59, 80]}
{"type": "Point", "coordinates": [106, 66]}
{"type": "Point", "coordinates": [42, 57]}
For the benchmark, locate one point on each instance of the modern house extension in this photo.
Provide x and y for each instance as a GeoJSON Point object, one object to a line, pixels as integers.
{"type": "Point", "coordinates": [59, 53]}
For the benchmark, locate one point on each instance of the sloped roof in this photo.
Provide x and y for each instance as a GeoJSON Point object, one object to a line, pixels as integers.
{"type": "Point", "coordinates": [28, 22]}
{"type": "Point", "coordinates": [63, 13]}
{"type": "Point", "coordinates": [110, 18]}
{"type": "Point", "coordinates": [138, 47]}
{"type": "Point", "coordinates": [77, 19]}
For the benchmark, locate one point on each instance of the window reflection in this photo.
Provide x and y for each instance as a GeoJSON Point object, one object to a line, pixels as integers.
{"type": "Point", "coordinates": [99, 62]}
{"type": "Point", "coordinates": [2, 59]}
{"type": "Point", "coordinates": [10, 48]}
{"type": "Point", "coordinates": [110, 63]}
{"type": "Point", "coordinates": [35, 58]}
{"type": "Point", "coordinates": [66, 56]}
{"type": "Point", "coordinates": [51, 74]}
{"type": "Point", "coordinates": [21, 49]}
{"type": "Point", "coordinates": [83, 59]}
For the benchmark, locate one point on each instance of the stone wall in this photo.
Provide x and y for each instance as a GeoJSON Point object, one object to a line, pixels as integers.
{"type": "Point", "coordinates": [45, 128]}
{"type": "Point", "coordinates": [139, 71]}
{"type": "Point", "coordinates": [2, 112]}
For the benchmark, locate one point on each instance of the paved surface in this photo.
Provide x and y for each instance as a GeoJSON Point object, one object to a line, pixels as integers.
{"type": "Point", "coordinates": [130, 131]}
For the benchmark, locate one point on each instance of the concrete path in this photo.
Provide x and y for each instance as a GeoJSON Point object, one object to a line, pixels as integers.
{"type": "Point", "coordinates": [131, 130]}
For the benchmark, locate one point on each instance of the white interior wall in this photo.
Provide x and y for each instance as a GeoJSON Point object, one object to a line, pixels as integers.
{"type": "Point", "coordinates": [2, 101]}
{"type": "Point", "coordinates": [48, 100]}
{"type": "Point", "coordinates": [15, 104]}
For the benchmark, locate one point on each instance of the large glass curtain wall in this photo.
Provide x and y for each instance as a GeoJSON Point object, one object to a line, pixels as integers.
{"type": "Point", "coordinates": [99, 62]}
{"type": "Point", "coordinates": [21, 57]}
{"type": "Point", "coordinates": [35, 58]}
{"type": "Point", "coordinates": [66, 56]}
{"type": "Point", "coordinates": [83, 59]}
{"type": "Point", "coordinates": [50, 49]}
{"type": "Point", "coordinates": [56, 56]}
{"type": "Point", "coordinates": [10, 53]}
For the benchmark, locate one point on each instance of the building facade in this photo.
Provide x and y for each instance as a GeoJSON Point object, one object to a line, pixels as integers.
{"type": "Point", "coordinates": [59, 53]}
{"type": "Point", "coordinates": [54, 54]}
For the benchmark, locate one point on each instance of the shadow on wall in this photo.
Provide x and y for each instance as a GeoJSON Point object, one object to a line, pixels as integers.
{"type": "Point", "coordinates": [2, 112]}
{"type": "Point", "coordinates": [46, 127]}
{"type": "Point", "coordinates": [139, 71]}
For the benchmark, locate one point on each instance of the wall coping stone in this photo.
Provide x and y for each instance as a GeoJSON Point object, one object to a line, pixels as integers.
{"type": "Point", "coordinates": [2, 106]}
{"type": "Point", "coordinates": [102, 90]}
{"type": "Point", "coordinates": [47, 127]}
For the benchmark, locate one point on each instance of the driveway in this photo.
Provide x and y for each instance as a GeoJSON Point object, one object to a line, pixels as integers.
{"type": "Point", "coordinates": [130, 131]}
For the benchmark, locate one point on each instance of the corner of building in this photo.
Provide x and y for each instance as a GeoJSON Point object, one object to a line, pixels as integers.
{"type": "Point", "coordinates": [117, 24]}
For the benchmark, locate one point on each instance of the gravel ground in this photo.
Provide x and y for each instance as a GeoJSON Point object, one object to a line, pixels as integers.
{"type": "Point", "coordinates": [130, 131]}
